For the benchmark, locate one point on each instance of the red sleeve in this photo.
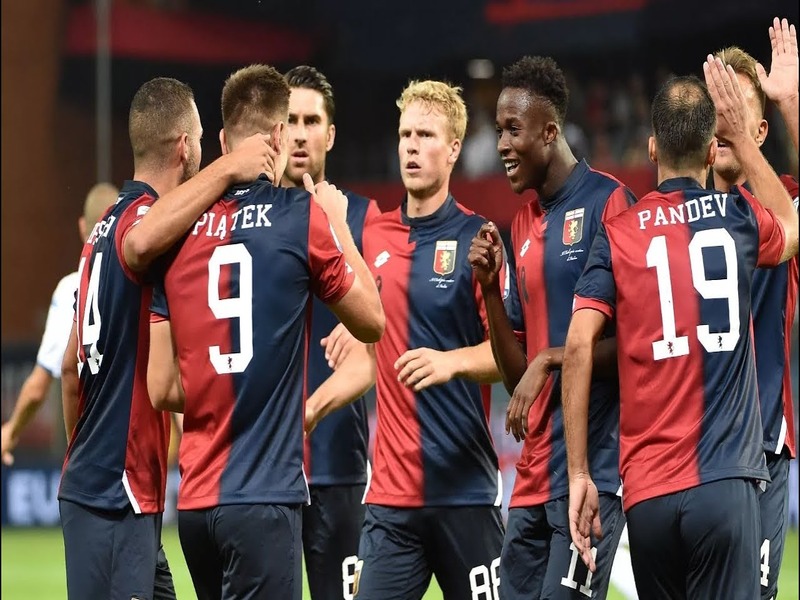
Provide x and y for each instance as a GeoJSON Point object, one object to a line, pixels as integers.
{"type": "Point", "coordinates": [771, 237]}
{"type": "Point", "coordinates": [373, 211]}
{"type": "Point", "coordinates": [620, 200]}
{"type": "Point", "coordinates": [579, 303]}
{"type": "Point", "coordinates": [127, 221]}
{"type": "Point", "coordinates": [331, 276]}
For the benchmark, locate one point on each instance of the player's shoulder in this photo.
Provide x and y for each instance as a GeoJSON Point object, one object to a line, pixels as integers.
{"type": "Point", "coordinates": [601, 183]}
{"type": "Point", "coordinates": [133, 193]}
{"type": "Point", "coordinates": [467, 221]}
{"type": "Point", "coordinates": [790, 183]}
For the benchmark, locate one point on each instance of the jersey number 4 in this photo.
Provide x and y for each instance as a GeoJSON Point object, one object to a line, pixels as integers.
{"type": "Point", "coordinates": [238, 307]}
{"type": "Point", "coordinates": [89, 326]}
{"type": "Point", "coordinates": [727, 288]}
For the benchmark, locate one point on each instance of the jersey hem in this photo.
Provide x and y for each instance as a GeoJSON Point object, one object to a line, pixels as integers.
{"type": "Point", "coordinates": [203, 502]}
{"type": "Point", "coordinates": [145, 507]}
{"type": "Point", "coordinates": [394, 501]}
{"type": "Point", "coordinates": [531, 500]}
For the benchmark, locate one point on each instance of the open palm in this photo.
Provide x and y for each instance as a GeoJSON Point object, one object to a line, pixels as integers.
{"type": "Point", "coordinates": [781, 82]}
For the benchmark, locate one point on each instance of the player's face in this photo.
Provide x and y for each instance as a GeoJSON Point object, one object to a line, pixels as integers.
{"type": "Point", "coordinates": [521, 123]}
{"type": "Point", "coordinates": [310, 135]}
{"type": "Point", "coordinates": [427, 150]}
{"type": "Point", "coordinates": [726, 163]}
{"type": "Point", "coordinates": [195, 154]}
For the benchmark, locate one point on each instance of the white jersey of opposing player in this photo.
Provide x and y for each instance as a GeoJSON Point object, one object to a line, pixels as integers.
{"type": "Point", "coordinates": [59, 323]}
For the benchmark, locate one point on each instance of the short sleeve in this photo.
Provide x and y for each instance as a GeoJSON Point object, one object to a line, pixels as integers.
{"type": "Point", "coordinates": [373, 212]}
{"type": "Point", "coordinates": [60, 317]}
{"type": "Point", "coordinates": [331, 276]}
{"type": "Point", "coordinates": [127, 221]}
{"type": "Point", "coordinates": [771, 236]}
{"type": "Point", "coordinates": [596, 288]}
{"type": "Point", "coordinates": [620, 200]}
{"type": "Point", "coordinates": [159, 309]}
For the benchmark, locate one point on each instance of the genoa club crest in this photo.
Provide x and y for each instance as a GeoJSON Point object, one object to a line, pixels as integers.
{"type": "Point", "coordinates": [573, 227]}
{"type": "Point", "coordinates": [444, 258]}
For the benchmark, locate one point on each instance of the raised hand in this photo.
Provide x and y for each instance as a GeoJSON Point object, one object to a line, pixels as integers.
{"type": "Point", "coordinates": [330, 199]}
{"type": "Point", "coordinates": [584, 517]}
{"type": "Point", "coordinates": [486, 254]}
{"type": "Point", "coordinates": [781, 82]}
{"type": "Point", "coordinates": [733, 117]}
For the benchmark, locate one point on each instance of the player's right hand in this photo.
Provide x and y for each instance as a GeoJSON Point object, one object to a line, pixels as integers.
{"type": "Point", "coordinates": [8, 444]}
{"type": "Point", "coordinates": [253, 157]}
{"type": "Point", "coordinates": [486, 255]}
{"type": "Point", "coordinates": [584, 516]}
{"type": "Point", "coordinates": [781, 82]}
{"type": "Point", "coordinates": [733, 116]}
{"type": "Point", "coordinates": [332, 201]}
{"type": "Point", "coordinates": [338, 345]}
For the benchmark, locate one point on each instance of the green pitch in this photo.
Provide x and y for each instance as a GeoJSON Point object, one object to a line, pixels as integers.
{"type": "Point", "coordinates": [33, 567]}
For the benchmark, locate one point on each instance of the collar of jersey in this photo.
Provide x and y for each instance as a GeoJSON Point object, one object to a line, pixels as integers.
{"type": "Point", "coordinates": [574, 179]}
{"type": "Point", "coordinates": [440, 216]}
{"type": "Point", "coordinates": [679, 183]}
{"type": "Point", "coordinates": [140, 187]}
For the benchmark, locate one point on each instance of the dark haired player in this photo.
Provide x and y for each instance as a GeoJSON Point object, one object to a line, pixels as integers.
{"type": "Point", "coordinates": [551, 237]}
{"type": "Point", "coordinates": [236, 299]}
{"type": "Point", "coordinates": [676, 271]}
{"type": "Point", "coordinates": [336, 451]}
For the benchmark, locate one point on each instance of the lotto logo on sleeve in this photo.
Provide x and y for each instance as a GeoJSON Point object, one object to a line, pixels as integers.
{"type": "Point", "coordinates": [444, 258]}
{"type": "Point", "coordinates": [573, 227]}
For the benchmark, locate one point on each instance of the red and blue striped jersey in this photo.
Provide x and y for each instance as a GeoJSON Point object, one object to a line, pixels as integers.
{"type": "Point", "coordinates": [236, 293]}
{"type": "Point", "coordinates": [433, 447]}
{"type": "Point", "coordinates": [551, 239]}
{"type": "Point", "coordinates": [774, 305]}
{"type": "Point", "coordinates": [117, 455]}
{"type": "Point", "coordinates": [336, 451]}
{"type": "Point", "coordinates": [677, 269]}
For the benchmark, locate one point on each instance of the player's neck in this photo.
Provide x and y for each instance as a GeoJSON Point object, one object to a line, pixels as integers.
{"type": "Point", "coordinates": [558, 171]}
{"type": "Point", "coordinates": [665, 172]}
{"type": "Point", "coordinates": [423, 206]}
{"type": "Point", "coordinates": [163, 182]}
{"type": "Point", "coordinates": [723, 185]}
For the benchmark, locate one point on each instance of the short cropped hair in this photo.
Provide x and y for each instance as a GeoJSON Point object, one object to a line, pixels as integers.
{"type": "Point", "coordinates": [684, 121]}
{"type": "Point", "coordinates": [744, 64]}
{"type": "Point", "coordinates": [305, 76]}
{"type": "Point", "coordinates": [542, 78]}
{"type": "Point", "coordinates": [100, 197]}
{"type": "Point", "coordinates": [161, 111]}
{"type": "Point", "coordinates": [254, 99]}
{"type": "Point", "coordinates": [441, 95]}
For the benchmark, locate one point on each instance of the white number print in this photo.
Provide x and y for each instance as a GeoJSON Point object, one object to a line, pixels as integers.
{"type": "Point", "coordinates": [765, 563]}
{"type": "Point", "coordinates": [240, 307]}
{"type": "Point", "coordinates": [89, 330]}
{"type": "Point", "coordinates": [671, 345]}
{"type": "Point", "coordinates": [570, 582]}
{"type": "Point", "coordinates": [349, 577]}
{"type": "Point", "coordinates": [484, 582]}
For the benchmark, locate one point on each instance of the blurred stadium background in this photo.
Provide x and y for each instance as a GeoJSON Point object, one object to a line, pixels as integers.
{"type": "Point", "coordinates": [70, 68]}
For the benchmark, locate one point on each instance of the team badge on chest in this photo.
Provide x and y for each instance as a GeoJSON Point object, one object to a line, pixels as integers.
{"type": "Point", "coordinates": [444, 257]}
{"type": "Point", "coordinates": [573, 227]}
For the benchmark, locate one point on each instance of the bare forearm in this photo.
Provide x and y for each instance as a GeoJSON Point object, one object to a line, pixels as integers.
{"type": "Point", "coordinates": [476, 363]}
{"type": "Point", "coordinates": [788, 109]}
{"type": "Point", "coordinates": [576, 384]}
{"type": "Point", "coordinates": [347, 383]}
{"type": "Point", "coordinates": [604, 362]}
{"type": "Point", "coordinates": [174, 213]}
{"type": "Point", "coordinates": [510, 360]}
{"type": "Point", "coordinates": [31, 397]}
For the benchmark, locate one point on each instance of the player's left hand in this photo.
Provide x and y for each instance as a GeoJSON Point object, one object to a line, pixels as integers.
{"type": "Point", "coordinates": [423, 367]}
{"type": "Point", "coordinates": [486, 255]}
{"type": "Point", "coordinates": [584, 516]}
{"type": "Point", "coordinates": [338, 344]}
{"type": "Point", "coordinates": [781, 83]}
{"type": "Point", "coordinates": [526, 392]}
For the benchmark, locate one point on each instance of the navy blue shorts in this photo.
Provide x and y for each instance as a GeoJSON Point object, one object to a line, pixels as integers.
{"type": "Point", "coordinates": [699, 543]}
{"type": "Point", "coordinates": [402, 547]}
{"type": "Point", "coordinates": [540, 561]}
{"type": "Point", "coordinates": [331, 531]}
{"type": "Point", "coordinates": [109, 554]}
{"type": "Point", "coordinates": [243, 551]}
{"type": "Point", "coordinates": [163, 588]}
{"type": "Point", "coordinates": [774, 508]}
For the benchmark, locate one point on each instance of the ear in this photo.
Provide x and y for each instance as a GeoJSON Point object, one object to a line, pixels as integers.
{"type": "Point", "coordinates": [279, 131]}
{"type": "Point", "coordinates": [712, 152]}
{"type": "Point", "coordinates": [455, 151]}
{"type": "Point", "coordinates": [763, 130]}
{"type": "Point", "coordinates": [331, 137]}
{"type": "Point", "coordinates": [550, 132]}
{"type": "Point", "coordinates": [82, 231]}
{"type": "Point", "coordinates": [223, 142]}
{"type": "Point", "coordinates": [652, 151]}
{"type": "Point", "coordinates": [183, 144]}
